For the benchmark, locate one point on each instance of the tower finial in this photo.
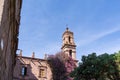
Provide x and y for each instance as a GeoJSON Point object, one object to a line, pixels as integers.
{"type": "Point", "coordinates": [67, 27]}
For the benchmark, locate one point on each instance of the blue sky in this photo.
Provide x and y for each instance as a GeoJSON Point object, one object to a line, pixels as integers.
{"type": "Point", "coordinates": [95, 23]}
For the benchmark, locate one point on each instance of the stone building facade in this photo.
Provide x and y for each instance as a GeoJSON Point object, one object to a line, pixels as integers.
{"type": "Point", "coordinates": [31, 68]}
{"type": "Point", "coordinates": [9, 29]}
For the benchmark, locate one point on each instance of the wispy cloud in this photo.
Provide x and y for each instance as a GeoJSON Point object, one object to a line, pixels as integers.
{"type": "Point", "coordinates": [90, 38]}
{"type": "Point", "coordinates": [111, 49]}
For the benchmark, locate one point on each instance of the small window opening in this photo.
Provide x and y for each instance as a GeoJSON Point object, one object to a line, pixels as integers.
{"type": "Point", "coordinates": [70, 53]}
{"type": "Point", "coordinates": [42, 73]}
{"type": "Point", "coordinates": [24, 71]}
{"type": "Point", "coordinates": [69, 39]}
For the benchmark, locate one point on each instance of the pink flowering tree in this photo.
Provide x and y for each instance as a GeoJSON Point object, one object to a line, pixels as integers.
{"type": "Point", "coordinates": [61, 66]}
{"type": "Point", "coordinates": [70, 65]}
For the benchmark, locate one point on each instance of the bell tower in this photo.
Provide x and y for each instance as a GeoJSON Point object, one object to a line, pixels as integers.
{"type": "Point", "coordinates": [68, 45]}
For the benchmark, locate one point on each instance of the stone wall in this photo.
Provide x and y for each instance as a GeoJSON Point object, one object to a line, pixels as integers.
{"type": "Point", "coordinates": [9, 27]}
{"type": "Point", "coordinates": [33, 66]}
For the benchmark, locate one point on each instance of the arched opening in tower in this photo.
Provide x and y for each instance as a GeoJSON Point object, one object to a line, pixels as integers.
{"type": "Point", "coordinates": [70, 53]}
{"type": "Point", "coordinates": [69, 39]}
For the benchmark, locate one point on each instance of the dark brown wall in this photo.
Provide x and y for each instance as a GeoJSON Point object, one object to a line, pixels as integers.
{"type": "Point", "coordinates": [9, 27]}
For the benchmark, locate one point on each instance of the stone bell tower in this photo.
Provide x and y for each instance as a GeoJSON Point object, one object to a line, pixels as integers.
{"type": "Point", "coordinates": [68, 45]}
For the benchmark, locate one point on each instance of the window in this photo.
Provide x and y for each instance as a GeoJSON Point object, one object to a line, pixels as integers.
{"type": "Point", "coordinates": [42, 73]}
{"type": "Point", "coordinates": [70, 53]}
{"type": "Point", "coordinates": [1, 44]}
{"type": "Point", "coordinates": [24, 71]}
{"type": "Point", "coordinates": [69, 39]}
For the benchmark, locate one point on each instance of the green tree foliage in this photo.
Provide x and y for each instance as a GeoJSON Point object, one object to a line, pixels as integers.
{"type": "Point", "coordinates": [93, 67]}
{"type": "Point", "coordinates": [117, 61]}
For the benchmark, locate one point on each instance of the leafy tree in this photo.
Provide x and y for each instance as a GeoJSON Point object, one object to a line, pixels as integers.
{"type": "Point", "coordinates": [86, 67]}
{"type": "Point", "coordinates": [70, 65]}
{"type": "Point", "coordinates": [57, 67]}
{"type": "Point", "coordinates": [61, 65]}
{"type": "Point", "coordinates": [93, 67]}
{"type": "Point", "coordinates": [117, 59]}
{"type": "Point", "coordinates": [117, 65]}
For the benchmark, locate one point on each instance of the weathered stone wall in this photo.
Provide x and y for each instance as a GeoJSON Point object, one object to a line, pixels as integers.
{"type": "Point", "coordinates": [9, 26]}
{"type": "Point", "coordinates": [33, 68]}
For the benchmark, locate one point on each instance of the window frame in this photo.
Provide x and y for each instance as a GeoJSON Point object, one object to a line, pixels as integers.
{"type": "Point", "coordinates": [44, 68]}
{"type": "Point", "coordinates": [24, 71]}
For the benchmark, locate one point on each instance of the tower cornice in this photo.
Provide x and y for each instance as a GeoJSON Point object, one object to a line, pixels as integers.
{"type": "Point", "coordinates": [68, 45]}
